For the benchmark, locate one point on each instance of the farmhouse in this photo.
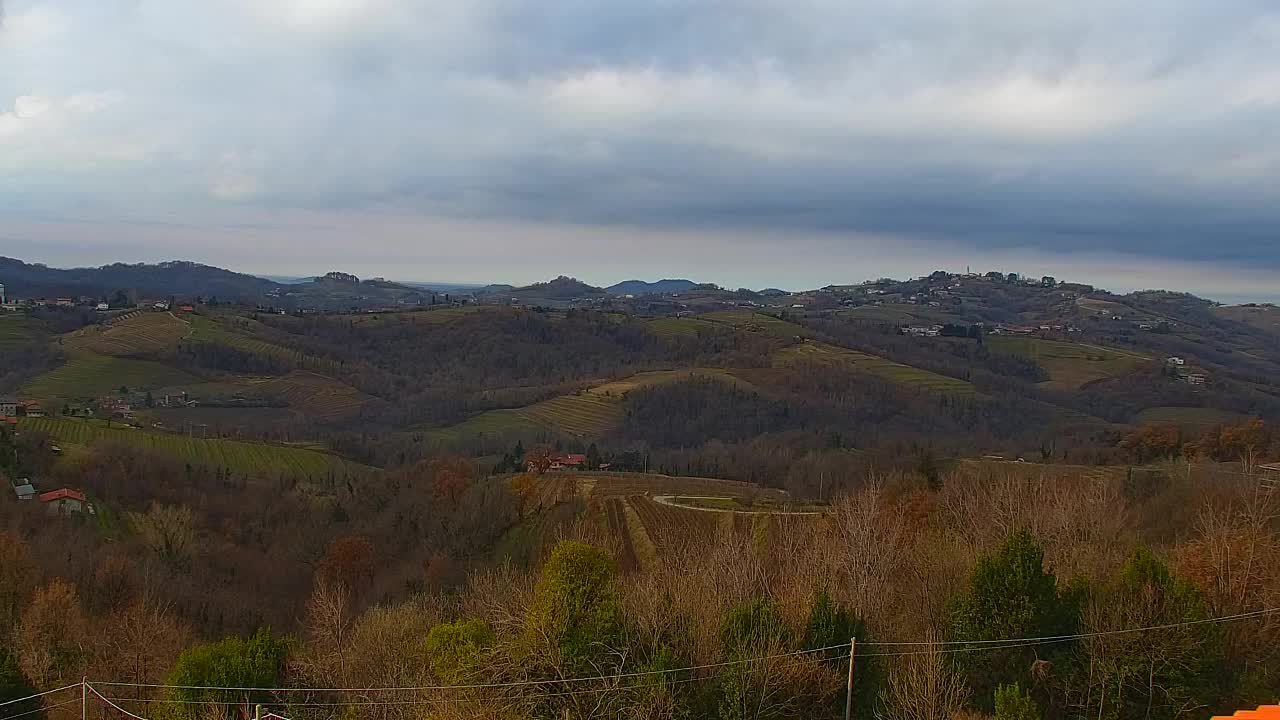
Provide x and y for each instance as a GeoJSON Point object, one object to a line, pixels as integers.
{"type": "Point", "coordinates": [1177, 361]}
{"type": "Point", "coordinates": [66, 501]}
{"type": "Point", "coordinates": [8, 407]}
{"type": "Point", "coordinates": [102, 307]}
{"type": "Point", "coordinates": [31, 408]}
{"type": "Point", "coordinates": [24, 490]}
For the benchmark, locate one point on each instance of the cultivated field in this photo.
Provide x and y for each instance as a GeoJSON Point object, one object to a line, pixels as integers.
{"type": "Point", "coordinates": [1070, 365]}
{"type": "Point", "coordinates": [754, 322]}
{"type": "Point", "coordinates": [588, 413]}
{"type": "Point", "coordinates": [138, 333]}
{"type": "Point", "coordinates": [433, 316]}
{"type": "Point", "coordinates": [88, 375]}
{"type": "Point", "coordinates": [679, 327]}
{"type": "Point", "coordinates": [206, 330]}
{"type": "Point", "coordinates": [316, 395]}
{"type": "Point", "coordinates": [253, 459]}
{"type": "Point", "coordinates": [874, 365]}
{"type": "Point", "coordinates": [668, 527]}
{"type": "Point", "coordinates": [607, 484]}
{"type": "Point", "coordinates": [1187, 417]}
{"type": "Point", "coordinates": [16, 329]}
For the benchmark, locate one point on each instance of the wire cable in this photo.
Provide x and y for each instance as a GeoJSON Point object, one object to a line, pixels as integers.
{"type": "Point", "coordinates": [487, 686]}
{"type": "Point", "coordinates": [1081, 636]}
{"type": "Point", "coordinates": [39, 709]}
{"type": "Point", "coordinates": [39, 695]}
{"type": "Point", "coordinates": [947, 646]}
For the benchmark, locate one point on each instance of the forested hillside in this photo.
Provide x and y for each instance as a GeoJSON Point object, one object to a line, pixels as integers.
{"type": "Point", "coordinates": [575, 504]}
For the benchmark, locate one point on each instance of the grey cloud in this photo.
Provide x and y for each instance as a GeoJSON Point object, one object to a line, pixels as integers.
{"type": "Point", "coordinates": [1146, 127]}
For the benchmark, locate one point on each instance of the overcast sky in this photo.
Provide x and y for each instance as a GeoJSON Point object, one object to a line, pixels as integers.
{"type": "Point", "coordinates": [795, 143]}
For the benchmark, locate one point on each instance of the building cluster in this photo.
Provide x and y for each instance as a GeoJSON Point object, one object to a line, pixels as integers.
{"type": "Point", "coordinates": [62, 501]}
{"type": "Point", "coordinates": [1185, 373]}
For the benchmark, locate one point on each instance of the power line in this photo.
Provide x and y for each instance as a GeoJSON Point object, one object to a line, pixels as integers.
{"type": "Point", "coordinates": [363, 703]}
{"type": "Point", "coordinates": [40, 709]}
{"type": "Point", "coordinates": [1101, 633]}
{"type": "Point", "coordinates": [932, 647]}
{"type": "Point", "coordinates": [104, 699]}
{"type": "Point", "coordinates": [38, 695]}
{"type": "Point", "coordinates": [485, 686]}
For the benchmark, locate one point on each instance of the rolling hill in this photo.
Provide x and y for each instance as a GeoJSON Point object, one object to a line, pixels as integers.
{"type": "Point", "coordinates": [660, 287]}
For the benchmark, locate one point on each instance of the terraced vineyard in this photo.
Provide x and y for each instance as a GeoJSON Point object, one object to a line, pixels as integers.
{"type": "Point", "coordinates": [88, 375]}
{"type": "Point", "coordinates": [1070, 365]}
{"type": "Point", "coordinates": [314, 394]}
{"type": "Point", "coordinates": [138, 333]}
{"type": "Point", "coordinates": [253, 459]}
{"type": "Point", "coordinates": [875, 365]}
{"type": "Point", "coordinates": [206, 330]}
{"type": "Point", "coordinates": [670, 527]}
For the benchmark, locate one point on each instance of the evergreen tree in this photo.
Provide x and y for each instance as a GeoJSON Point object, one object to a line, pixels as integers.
{"type": "Point", "coordinates": [1009, 596]}
{"type": "Point", "coordinates": [14, 686]}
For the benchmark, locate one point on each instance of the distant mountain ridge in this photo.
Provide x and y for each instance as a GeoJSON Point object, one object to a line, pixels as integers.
{"type": "Point", "coordinates": [176, 277]}
{"type": "Point", "coordinates": [660, 287]}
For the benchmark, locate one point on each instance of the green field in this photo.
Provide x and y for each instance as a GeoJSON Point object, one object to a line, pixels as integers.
{"type": "Point", "coordinates": [17, 329]}
{"type": "Point", "coordinates": [875, 365]}
{"type": "Point", "coordinates": [1070, 365]}
{"type": "Point", "coordinates": [255, 459]}
{"type": "Point", "coordinates": [754, 322]}
{"type": "Point", "coordinates": [87, 375]}
{"type": "Point", "coordinates": [1190, 417]}
{"type": "Point", "coordinates": [591, 412]}
{"type": "Point", "coordinates": [679, 327]}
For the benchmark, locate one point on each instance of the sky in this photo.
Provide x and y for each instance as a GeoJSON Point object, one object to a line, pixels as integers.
{"type": "Point", "coordinates": [792, 143]}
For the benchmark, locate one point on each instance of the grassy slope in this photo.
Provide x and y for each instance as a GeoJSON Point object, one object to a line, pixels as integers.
{"type": "Point", "coordinates": [1189, 417]}
{"type": "Point", "coordinates": [874, 365]}
{"type": "Point", "coordinates": [754, 322]}
{"type": "Point", "coordinates": [1070, 365]}
{"type": "Point", "coordinates": [17, 329]}
{"type": "Point", "coordinates": [592, 412]}
{"type": "Point", "coordinates": [87, 375]}
{"type": "Point", "coordinates": [434, 316]}
{"type": "Point", "coordinates": [679, 327]}
{"type": "Point", "coordinates": [248, 458]}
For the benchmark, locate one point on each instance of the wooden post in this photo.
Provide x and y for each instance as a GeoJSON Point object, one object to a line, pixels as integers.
{"type": "Point", "coordinates": [84, 698]}
{"type": "Point", "coordinates": [848, 698]}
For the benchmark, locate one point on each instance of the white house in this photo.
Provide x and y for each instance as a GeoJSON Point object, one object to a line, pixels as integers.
{"type": "Point", "coordinates": [8, 407]}
{"type": "Point", "coordinates": [1176, 361]}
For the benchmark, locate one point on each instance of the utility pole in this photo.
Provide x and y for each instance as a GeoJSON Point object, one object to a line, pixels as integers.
{"type": "Point", "coordinates": [257, 712]}
{"type": "Point", "coordinates": [84, 698]}
{"type": "Point", "coordinates": [848, 698]}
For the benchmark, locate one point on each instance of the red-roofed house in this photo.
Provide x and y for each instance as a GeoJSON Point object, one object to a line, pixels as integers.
{"type": "Point", "coordinates": [66, 500]}
{"type": "Point", "coordinates": [568, 461]}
